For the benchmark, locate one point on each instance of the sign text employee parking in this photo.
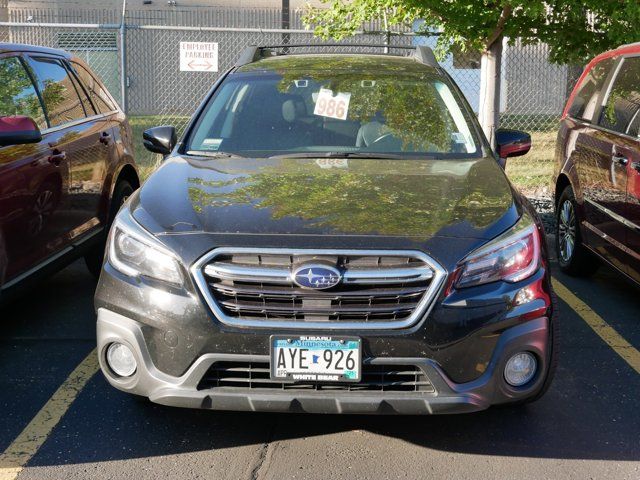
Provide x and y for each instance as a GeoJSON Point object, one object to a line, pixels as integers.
{"type": "Point", "coordinates": [198, 57]}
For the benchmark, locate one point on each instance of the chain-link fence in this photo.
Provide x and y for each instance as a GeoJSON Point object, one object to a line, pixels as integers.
{"type": "Point", "coordinates": [157, 92]}
{"type": "Point", "coordinates": [179, 92]}
{"type": "Point", "coordinates": [534, 93]}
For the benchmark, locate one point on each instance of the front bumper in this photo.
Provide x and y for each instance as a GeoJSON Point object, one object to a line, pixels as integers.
{"type": "Point", "coordinates": [449, 397]}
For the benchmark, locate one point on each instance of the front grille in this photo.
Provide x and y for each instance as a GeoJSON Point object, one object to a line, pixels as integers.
{"type": "Point", "coordinates": [377, 289]}
{"type": "Point", "coordinates": [380, 378]}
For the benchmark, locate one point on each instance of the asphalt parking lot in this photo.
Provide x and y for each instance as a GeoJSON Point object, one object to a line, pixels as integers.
{"type": "Point", "coordinates": [587, 426]}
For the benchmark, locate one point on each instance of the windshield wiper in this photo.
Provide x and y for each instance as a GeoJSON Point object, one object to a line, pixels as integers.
{"type": "Point", "coordinates": [205, 153]}
{"type": "Point", "coordinates": [382, 156]}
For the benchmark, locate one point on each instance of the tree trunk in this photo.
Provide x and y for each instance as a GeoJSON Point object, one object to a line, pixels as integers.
{"type": "Point", "coordinates": [490, 73]}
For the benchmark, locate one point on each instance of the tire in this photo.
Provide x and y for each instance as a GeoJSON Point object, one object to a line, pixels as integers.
{"type": "Point", "coordinates": [95, 256]}
{"type": "Point", "coordinates": [573, 257]}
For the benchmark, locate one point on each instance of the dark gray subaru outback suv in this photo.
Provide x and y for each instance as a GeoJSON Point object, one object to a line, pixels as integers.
{"type": "Point", "coordinates": [332, 234]}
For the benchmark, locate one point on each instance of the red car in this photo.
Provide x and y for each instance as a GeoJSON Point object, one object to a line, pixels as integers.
{"type": "Point", "coordinates": [66, 163]}
{"type": "Point", "coordinates": [598, 167]}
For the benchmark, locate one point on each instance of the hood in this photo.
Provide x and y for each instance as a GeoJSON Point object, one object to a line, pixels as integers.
{"type": "Point", "coordinates": [420, 199]}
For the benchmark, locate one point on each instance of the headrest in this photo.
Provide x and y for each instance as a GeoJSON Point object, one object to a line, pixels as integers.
{"type": "Point", "coordinates": [293, 109]}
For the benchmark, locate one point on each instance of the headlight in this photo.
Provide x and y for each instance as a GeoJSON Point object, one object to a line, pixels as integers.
{"type": "Point", "coordinates": [513, 256]}
{"type": "Point", "coordinates": [135, 252]}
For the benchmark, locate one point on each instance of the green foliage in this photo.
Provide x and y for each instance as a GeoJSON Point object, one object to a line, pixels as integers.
{"type": "Point", "coordinates": [53, 95]}
{"type": "Point", "coordinates": [344, 18]}
{"type": "Point", "coordinates": [413, 198]}
{"type": "Point", "coordinates": [574, 29]}
{"type": "Point", "coordinates": [406, 98]}
{"type": "Point", "coordinates": [17, 95]}
{"type": "Point", "coordinates": [577, 30]}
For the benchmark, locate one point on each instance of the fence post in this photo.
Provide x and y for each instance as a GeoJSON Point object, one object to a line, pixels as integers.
{"type": "Point", "coordinates": [4, 10]}
{"type": "Point", "coordinates": [285, 22]}
{"type": "Point", "coordinates": [123, 60]}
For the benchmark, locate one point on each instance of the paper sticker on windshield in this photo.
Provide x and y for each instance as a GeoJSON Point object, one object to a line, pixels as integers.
{"type": "Point", "coordinates": [211, 143]}
{"type": "Point", "coordinates": [332, 106]}
{"type": "Point", "coordinates": [332, 163]}
{"type": "Point", "coordinates": [458, 137]}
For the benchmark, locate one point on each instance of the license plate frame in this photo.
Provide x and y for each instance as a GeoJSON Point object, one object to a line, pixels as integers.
{"type": "Point", "coordinates": [312, 343]}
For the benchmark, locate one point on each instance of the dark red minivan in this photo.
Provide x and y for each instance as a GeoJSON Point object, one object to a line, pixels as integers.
{"type": "Point", "coordinates": [598, 167]}
{"type": "Point", "coordinates": [66, 163]}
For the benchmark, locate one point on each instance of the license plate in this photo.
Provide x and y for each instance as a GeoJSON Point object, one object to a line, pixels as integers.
{"type": "Point", "coordinates": [317, 359]}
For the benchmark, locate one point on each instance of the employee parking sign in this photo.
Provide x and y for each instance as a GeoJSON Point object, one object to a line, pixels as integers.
{"type": "Point", "coordinates": [198, 57]}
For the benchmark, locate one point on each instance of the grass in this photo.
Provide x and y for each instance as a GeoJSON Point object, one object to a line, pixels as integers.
{"type": "Point", "coordinates": [531, 173]}
{"type": "Point", "coordinates": [147, 161]}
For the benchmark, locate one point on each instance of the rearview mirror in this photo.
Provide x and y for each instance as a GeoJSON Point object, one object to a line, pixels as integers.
{"type": "Point", "coordinates": [18, 130]}
{"type": "Point", "coordinates": [512, 143]}
{"type": "Point", "coordinates": [160, 139]}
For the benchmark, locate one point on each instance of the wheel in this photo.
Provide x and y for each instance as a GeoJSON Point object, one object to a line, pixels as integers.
{"type": "Point", "coordinates": [94, 257]}
{"type": "Point", "coordinates": [573, 257]}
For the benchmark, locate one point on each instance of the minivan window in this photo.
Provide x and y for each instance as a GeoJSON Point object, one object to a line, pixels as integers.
{"type": "Point", "coordinates": [60, 97]}
{"type": "Point", "coordinates": [634, 126]}
{"type": "Point", "coordinates": [99, 97]}
{"type": "Point", "coordinates": [586, 98]}
{"type": "Point", "coordinates": [18, 95]}
{"type": "Point", "coordinates": [623, 103]}
{"type": "Point", "coordinates": [89, 109]}
{"type": "Point", "coordinates": [263, 115]}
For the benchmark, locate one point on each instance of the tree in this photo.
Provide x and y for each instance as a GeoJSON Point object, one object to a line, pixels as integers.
{"type": "Point", "coordinates": [427, 128]}
{"type": "Point", "coordinates": [574, 29]}
{"type": "Point", "coordinates": [17, 95]}
{"type": "Point", "coordinates": [389, 197]}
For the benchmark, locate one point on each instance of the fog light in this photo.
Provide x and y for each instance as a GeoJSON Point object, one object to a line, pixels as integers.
{"type": "Point", "coordinates": [524, 295]}
{"type": "Point", "coordinates": [520, 369]}
{"type": "Point", "coordinates": [121, 360]}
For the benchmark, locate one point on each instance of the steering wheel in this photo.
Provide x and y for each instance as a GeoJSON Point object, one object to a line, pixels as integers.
{"type": "Point", "coordinates": [382, 137]}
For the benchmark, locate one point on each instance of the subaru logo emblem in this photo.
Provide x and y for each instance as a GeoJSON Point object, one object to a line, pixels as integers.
{"type": "Point", "coordinates": [316, 276]}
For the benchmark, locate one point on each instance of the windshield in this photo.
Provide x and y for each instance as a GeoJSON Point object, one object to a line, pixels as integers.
{"type": "Point", "coordinates": [334, 114]}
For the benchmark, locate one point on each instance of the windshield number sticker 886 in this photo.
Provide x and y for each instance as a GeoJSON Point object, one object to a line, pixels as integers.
{"type": "Point", "coordinates": [306, 358]}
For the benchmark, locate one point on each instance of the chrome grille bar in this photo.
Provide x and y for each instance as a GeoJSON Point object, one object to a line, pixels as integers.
{"type": "Point", "coordinates": [241, 272]}
{"type": "Point", "coordinates": [379, 289]}
{"type": "Point", "coordinates": [228, 271]}
{"type": "Point", "coordinates": [302, 309]}
{"type": "Point", "coordinates": [277, 291]}
{"type": "Point", "coordinates": [394, 275]}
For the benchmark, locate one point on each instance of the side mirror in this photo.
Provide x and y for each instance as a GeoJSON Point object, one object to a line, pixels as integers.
{"type": "Point", "coordinates": [160, 139]}
{"type": "Point", "coordinates": [512, 143]}
{"type": "Point", "coordinates": [18, 130]}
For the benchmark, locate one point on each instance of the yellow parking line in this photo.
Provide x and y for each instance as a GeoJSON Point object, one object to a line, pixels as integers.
{"type": "Point", "coordinates": [25, 446]}
{"type": "Point", "coordinates": [612, 338]}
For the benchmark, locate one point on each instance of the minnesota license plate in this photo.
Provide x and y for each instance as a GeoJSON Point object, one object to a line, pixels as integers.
{"type": "Point", "coordinates": [317, 359]}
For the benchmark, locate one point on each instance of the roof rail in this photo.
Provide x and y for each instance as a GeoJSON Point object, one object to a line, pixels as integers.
{"type": "Point", "coordinates": [632, 44]}
{"type": "Point", "coordinates": [250, 54]}
{"type": "Point", "coordinates": [425, 55]}
{"type": "Point", "coordinates": [253, 53]}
